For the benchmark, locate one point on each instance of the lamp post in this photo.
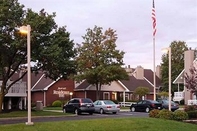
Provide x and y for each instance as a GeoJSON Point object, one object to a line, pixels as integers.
{"type": "Point", "coordinates": [71, 93]}
{"type": "Point", "coordinates": [26, 30]}
{"type": "Point", "coordinates": [169, 75]}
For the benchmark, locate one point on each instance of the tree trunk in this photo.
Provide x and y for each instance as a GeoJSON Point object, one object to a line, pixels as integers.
{"type": "Point", "coordinates": [1, 101]}
{"type": "Point", "coordinates": [97, 92]}
{"type": "Point", "coordinates": [2, 95]}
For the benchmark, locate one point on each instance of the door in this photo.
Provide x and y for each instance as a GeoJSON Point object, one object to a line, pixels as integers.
{"type": "Point", "coordinates": [97, 105]}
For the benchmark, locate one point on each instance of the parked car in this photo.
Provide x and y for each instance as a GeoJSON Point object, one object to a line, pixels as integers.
{"type": "Point", "coordinates": [165, 104]}
{"type": "Point", "coordinates": [106, 106]}
{"type": "Point", "coordinates": [146, 105]}
{"type": "Point", "coordinates": [79, 105]}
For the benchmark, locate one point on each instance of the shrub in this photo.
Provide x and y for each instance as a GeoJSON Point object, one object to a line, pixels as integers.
{"type": "Point", "coordinates": [190, 108]}
{"type": "Point", "coordinates": [165, 114]}
{"type": "Point", "coordinates": [154, 113]}
{"type": "Point", "coordinates": [180, 115]}
{"type": "Point", "coordinates": [57, 103]}
{"type": "Point", "coordinates": [182, 102]}
{"type": "Point", "coordinates": [33, 104]}
{"type": "Point", "coordinates": [192, 114]}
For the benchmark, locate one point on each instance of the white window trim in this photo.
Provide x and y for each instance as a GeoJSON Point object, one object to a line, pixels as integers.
{"type": "Point", "coordinates": [107, 95]}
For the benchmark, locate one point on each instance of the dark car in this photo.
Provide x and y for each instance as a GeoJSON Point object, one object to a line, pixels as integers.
{"type": "Point", "coordinates": [146, 105]}
{"type": "Point", "coordinates": [165, 104]}
{"type": "Point", "coordinates": [79, 105]}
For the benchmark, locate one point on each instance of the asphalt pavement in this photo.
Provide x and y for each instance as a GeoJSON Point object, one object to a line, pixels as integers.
{"type": "Point", "coordinates": [121, 114]}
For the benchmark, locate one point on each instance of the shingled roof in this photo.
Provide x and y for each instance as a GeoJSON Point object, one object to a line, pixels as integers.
{"type": "Point", "coordinates": [38, 81]}
{"type": "Point", "coordinates": [148, 74]}
{"type": "Point", "coordinates": [42, 83]}
{"type": "Point", "coordinates": [132, 83]}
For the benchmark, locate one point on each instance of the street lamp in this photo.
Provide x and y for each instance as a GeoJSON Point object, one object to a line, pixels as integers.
{"type": "Point", "coordinates": [26, 30]}
{"type": "Point", "coordinates": [169, 54]}
{"type": "Point", "coordinates": [71, 93]}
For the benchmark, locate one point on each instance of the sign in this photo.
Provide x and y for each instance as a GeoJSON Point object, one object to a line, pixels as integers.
{"type": "Point", "coordinates": [61, 91]}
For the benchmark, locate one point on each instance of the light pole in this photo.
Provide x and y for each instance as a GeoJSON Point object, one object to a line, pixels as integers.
{"type": "Point", "coordinates": [71, 93]}
{"type": "Point", "coordinates": [26, 30]}
{"type": "Point", "coordinates": [169, 75]}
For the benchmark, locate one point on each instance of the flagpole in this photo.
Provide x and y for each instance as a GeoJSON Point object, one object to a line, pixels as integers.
{"type": "Point", "coordinates": [154, 32]}
{"type": "Point", "coordinates": [154, 78]}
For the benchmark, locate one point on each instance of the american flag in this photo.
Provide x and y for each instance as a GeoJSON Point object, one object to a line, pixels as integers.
{"type": "Point", "coordinates": [154, 19]}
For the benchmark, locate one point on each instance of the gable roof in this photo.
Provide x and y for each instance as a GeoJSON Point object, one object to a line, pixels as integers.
{"type": "Point", "coordinates": [42, 83]}
{"type": "Point", "coordinates": [39, 81]}
{"type": "Point", "coordinates": [180, 77]}
{"type": "Point", "coordinates": [133, 83]}
{"type": "Point", "coordinates": [148, 74]}
{"type": "Point", "coordinates": [82, 86]}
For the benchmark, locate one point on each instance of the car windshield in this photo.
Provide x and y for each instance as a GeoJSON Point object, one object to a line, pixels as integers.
{"type": "Point", "coordinates": [153, 101]}
{"type": "Point", "coordinates": [166, 102]}
{"type": "Point", "coordinates": [86, 101]}
{"type": "Point", "coordinates": [108, 102]}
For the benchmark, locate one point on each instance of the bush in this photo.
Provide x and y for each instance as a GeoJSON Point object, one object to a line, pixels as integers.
{"type": "Point", "coordinates": [165, 114]}
{"type": "Point", "coordinates": [180, 115]}
{"type": "Point", "coordinates": [182, 102]}
{"type": "Point", "coordinates": [154, 113]}
{"type": "Point", "coordinates": [57, 103]}
{"type": "Point", "coordinates": [190, 108]}
{"type": "Point", "coordinates": [192, 114]}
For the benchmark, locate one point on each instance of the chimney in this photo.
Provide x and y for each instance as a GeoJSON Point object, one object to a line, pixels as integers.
{"type": "Point", "coordinates": [158, 71]}
{"type": "Point", "coordinates": [188, 61]}
{"type": "Point", "coordinates": [139, 72]}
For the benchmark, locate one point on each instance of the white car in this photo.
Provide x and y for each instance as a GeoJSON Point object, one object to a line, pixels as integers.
{"type": "Point", "coordinates": [106, 106]}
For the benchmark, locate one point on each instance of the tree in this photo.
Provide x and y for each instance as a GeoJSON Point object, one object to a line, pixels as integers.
{"type": "Point", "coordinates": [51, 47]}
{"type": "Point", "coordinates": [177, 64]}
{"type": "Point", "coordinates": [191, 80]}
{"type": "Point", "coordinates": [98, 60]}
{"type": "Point", "coordinates": [141, 91]}
{"type": "Point", "coordinates": [163, 94]}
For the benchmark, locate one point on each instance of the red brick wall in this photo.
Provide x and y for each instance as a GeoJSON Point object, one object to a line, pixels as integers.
{"type": "Point", "coordinates": [150, 96]}
{"type": "Point", "coordinates": [79, 94]}
{"type": "Point", "coordinates": [64, 85]}
{"type": "Point", "coordinates": [37, 96]}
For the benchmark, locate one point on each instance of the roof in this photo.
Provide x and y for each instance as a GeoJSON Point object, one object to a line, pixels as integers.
{"type": "Point", "coordinates": [180, 77]}
{"type": "Point", "coordinates": [39, 81]}
{"type": "Point", "coordinates": [132, 83]}
{"type": "Point", "coordinates": [148, 74]}
{"type": "Point", "coordinates": [83, 85]}
{"type": "Point", "coordinates": [42, 83]}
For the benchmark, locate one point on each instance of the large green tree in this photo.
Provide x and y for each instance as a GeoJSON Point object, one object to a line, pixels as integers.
{"type": "Point", "coordinates": [98, 60]}
{"type": "Point", "coordinates": [141, 91]}
{"type": "Point", "coordinates": [51, 47]}
{"type": "Point", "coordinates": [177, 64]}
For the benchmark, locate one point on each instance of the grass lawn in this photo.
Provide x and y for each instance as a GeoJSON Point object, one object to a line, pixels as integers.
{"type": "Point", "coordinates": [52, 108]}
{"type": "Point", "coordinates": [117, 124]}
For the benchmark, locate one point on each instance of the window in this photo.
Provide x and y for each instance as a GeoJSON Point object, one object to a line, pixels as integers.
{"type": "Point", "coordinates": [106, 96]}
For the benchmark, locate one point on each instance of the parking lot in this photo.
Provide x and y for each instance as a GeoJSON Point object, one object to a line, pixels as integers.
{"type": "Point", "coordinates": [83, 116]}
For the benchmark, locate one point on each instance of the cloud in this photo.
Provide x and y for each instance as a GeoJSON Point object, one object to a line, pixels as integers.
{"type": "Point", "coordinates": [176, 20]}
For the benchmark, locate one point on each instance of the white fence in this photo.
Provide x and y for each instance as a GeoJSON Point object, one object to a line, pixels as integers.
{"type": "Point", "coordinates": [192, 102]}
{"type": "Point", "coordinates": [126, 104]}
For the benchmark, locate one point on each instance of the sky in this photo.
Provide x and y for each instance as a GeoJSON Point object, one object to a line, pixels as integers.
{"type": "Point", "coordinates": [175, 20]}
